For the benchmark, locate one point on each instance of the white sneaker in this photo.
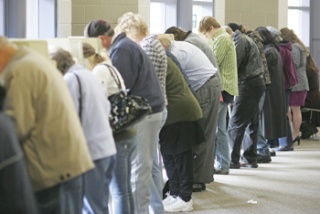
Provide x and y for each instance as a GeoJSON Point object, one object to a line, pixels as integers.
{"type": "Point", "coordinates": [169, 200]}
{"type": "Point", "coordinates": [179, 206]}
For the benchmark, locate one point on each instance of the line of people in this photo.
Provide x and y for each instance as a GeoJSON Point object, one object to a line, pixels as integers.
{"type": "Point", "coordinates": [190, 80]}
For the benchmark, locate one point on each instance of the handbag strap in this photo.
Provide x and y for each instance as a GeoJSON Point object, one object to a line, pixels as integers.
{"type": "Point", "coordinates": [114, 76]}
{"type": "Point", "coordinates": [80, 96]}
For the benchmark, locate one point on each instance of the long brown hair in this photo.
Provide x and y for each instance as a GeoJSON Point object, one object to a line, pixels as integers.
{"type": "Point", "coordinates": [311, 65]}
{"type": "Point", "coordinates": [289, 35]}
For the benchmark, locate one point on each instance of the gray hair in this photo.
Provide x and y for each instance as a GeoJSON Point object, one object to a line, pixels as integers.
{"type": "Point", "coordinates": [63, 59]}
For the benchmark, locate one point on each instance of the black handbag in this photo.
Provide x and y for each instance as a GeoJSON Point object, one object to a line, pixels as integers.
{"type": "Point", "coordinates": [126, 109]}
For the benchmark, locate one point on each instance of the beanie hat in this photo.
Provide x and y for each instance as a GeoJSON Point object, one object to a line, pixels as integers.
{"type": "Point", "coordinates": [275, 33]}
{"type": "Point", "coordinates": [234, 26]}
{"type": "Point", "coordinates": [96, 28]}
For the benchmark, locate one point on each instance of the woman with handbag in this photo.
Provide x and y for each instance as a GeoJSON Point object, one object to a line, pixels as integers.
{"type": "Point", "coordinates": [126, 141]}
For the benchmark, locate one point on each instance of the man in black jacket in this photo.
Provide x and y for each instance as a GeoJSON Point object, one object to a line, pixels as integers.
{"type": "Point", "coordinates": [245, 112]}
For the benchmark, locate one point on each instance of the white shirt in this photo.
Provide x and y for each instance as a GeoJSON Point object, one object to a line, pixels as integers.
{"type": "Point", "coordinates": [194, 62]}
{"type": "Point", "coordinates": [102, 72]}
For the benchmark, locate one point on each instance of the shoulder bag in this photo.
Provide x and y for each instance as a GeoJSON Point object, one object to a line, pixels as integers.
{"type": "Point", "coordinates": [126, 109]}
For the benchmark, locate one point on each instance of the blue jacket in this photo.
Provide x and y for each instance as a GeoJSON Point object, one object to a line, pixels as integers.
{"type": "Point", "coordinates": [95, 110]}
{"type": "Point", "coordinates": [137, 71]}
{"type": "Point", "coordinates": [16, 195]}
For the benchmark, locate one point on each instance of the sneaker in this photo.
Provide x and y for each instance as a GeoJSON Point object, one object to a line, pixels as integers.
{"type": "Point", "coordinates": [221, 171]}
{"type": "Point", "coordinates": [169, 200]}
{"type": "Point", "coordinates": [272, 152]}
{"type": "Point", "coordinates": [179, 206]}
{"type": "Point", "coordinates": [285, 149]}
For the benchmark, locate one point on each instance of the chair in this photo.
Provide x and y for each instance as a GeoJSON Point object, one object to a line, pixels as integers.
{"type": "Point", "coordinates": [312, 112]}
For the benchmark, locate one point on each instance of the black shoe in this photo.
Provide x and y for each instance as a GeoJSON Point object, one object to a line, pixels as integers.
{"type": "Point", "coordinates": [253, 164]}
{"type": "Point", "coordinates": [234, 165]}
{"type": "Point", "coordinates": [263, 159]}
{"type": "Point", "coordinates": [198, 187]}
{"type": "Point", "coordinates": [297, 139]}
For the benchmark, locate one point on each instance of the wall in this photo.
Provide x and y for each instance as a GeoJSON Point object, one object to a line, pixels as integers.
{"type": "Point", "coordinates": [252, 13]}
{"type": "Point", "coordinates": [73, 15]}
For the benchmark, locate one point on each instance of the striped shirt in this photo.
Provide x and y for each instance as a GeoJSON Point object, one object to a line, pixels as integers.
{"type": "Point", "coordinates": [225, 52]}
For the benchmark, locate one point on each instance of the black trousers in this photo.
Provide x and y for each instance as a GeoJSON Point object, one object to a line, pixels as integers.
{"type": "Point", "coordinates": [245, 113]}
{"type": "Point", "coordinates": [179, 170]}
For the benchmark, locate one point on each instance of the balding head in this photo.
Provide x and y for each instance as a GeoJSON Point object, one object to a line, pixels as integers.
{"type": "Point", "coordinates": [7, 50]}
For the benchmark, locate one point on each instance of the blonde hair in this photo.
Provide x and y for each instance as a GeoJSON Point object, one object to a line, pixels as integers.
{"type": "Point", "coordinates": [165, 40]}
{"type": "Point", "coordinates": [89, 51]}
{"type": "Point", "coordinates": [132, 24]}
{"type": "Point", "coordinates": [289, 35]}
{"type": "Point", "coordinates": [206, 23]}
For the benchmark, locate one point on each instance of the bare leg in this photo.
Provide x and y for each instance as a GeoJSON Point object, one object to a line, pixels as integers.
{"type": "Point", "coordinates": [296, 120]}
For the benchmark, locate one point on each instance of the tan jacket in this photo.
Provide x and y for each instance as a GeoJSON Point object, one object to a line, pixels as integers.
{"type": "Point", "coordinates": [47, 124]}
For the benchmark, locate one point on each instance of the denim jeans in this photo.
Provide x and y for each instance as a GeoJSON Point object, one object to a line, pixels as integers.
{"type": "Point", "coordinates": [143, 165]}
{"type": "Point", "coordinates": [157, 179]}
{"type": "Point", "coordinates": [222, 151]}
{"type": "Point", "coordinates": [120, 186]}
{"type": "Point", "coordinates": [64, 198]}
{"type": "Point", "coordinates": [96, 184]}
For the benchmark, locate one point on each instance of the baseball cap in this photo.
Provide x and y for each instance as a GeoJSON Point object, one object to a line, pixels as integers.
{"type": "Point", "coordinates": [96, 28]}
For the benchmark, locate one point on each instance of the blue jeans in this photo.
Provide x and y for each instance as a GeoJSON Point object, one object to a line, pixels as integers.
{"type": "Point", "coordinates": [222, 151]}
{"type": "Point", "coordinates": [157, 179]}
{"type": "Point", "coordinates": [120, 185]}
{"type": "Point", "coordinates": [144, 166]}
{"type": "Point", "coordinates": [96, 184]}
{"type": "Point", "coordinates": [64, 198]}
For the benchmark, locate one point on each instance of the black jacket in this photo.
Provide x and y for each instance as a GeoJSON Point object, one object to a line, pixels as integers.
{"type": "Point", "coordinates": [249, 62]}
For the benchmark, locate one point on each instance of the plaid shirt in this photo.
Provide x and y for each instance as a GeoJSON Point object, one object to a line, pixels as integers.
{"type": "Point", "coordinates": [153, 48]}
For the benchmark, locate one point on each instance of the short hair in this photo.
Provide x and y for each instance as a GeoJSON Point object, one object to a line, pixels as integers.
{"type": "Point", "coordinates": [235, 26]}
{"type": "Point", "coordinates": [63, 59]}
{"type": "Point", "coordinates": [132, 24]}
{"type": "Point", "coordinates": [179, 34]}
{"type": "Point", "coordinates": [206, 23]}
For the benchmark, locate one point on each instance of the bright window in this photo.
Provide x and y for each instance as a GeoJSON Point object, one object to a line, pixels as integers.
{"type": "Point", "coordinates": [299, 19]}
{"type": "Point", "coordinates": [200, 9]}
{"type": "Point", "coordinates": [163, 15]}
{"type": "Point", "coordinates": [41, 19]}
